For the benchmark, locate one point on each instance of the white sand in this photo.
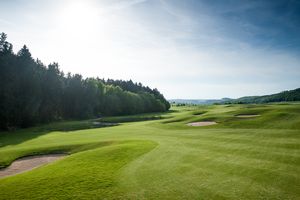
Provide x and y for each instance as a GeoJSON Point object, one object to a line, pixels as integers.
{"type": "Point", "coordinates": [29, 163]}
{"type": "Point", "coordinates": [201, 123]}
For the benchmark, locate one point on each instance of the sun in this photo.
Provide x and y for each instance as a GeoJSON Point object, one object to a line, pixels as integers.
{"type": "Point", "coordinates": [79, 16]}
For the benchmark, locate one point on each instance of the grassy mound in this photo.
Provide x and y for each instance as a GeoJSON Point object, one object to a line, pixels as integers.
{"type": "Point", "coordinates": [91, 174]}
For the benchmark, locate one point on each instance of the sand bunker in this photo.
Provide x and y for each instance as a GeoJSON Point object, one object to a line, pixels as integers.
{"type": "Point", "coordinates": [103, 124]}
{"type": "Point", "coordinates": [201, 123]}
{"type": "Point", "coordinates": [247, 116]}
{"type": "Point", "coordinates": [29, 163]}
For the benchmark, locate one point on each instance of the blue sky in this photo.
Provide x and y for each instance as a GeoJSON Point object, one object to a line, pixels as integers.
{"type": "Point", "coordinates": [187, 49]}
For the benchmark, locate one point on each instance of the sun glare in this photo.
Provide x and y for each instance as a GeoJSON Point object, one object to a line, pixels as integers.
{"type": "Point", "coordinates": [85, 25]}
{"type": "Point", "coordinates": [78, 16]}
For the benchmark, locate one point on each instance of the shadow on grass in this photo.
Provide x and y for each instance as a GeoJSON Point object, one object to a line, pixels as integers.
{"type": "Point", "coordinates": [136, 118]}
{"type": "Point", "coordinates": [22, 135]}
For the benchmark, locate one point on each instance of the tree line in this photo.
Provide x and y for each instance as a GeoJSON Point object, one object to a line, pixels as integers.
{"type": "Point", "coordinates": [32, 93]}
{"type": "Point", "coordinates": [290, 95]}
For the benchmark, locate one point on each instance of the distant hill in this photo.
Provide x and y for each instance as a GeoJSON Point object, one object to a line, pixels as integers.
{"type": "Point", "coordinates": [290, 95]}
{"type": "Point", "coordinates": [199, 101]}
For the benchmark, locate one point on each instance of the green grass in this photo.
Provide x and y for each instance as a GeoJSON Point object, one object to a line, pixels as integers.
{"type": "Point", "coordinates": [239, 158]}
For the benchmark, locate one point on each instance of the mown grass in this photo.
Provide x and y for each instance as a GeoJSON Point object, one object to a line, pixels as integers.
{"type": "Point", "coordinates": [239, 158]}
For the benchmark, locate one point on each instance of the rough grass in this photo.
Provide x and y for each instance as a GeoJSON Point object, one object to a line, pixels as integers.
{"type": "Point", "coordinates": [249, 158]}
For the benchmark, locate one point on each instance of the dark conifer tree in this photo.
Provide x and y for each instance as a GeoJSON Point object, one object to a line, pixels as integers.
{"type": "Point", "coordinates": [32, 93]}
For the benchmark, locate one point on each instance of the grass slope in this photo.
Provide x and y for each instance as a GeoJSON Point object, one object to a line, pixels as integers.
{"type": "Point", "coordinates": [239, 158]}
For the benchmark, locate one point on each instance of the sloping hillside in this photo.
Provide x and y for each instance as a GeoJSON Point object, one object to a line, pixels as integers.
{"type": "Point", "coordinates": [290, 95]}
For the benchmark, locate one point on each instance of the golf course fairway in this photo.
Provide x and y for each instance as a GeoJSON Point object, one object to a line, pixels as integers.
{"type": "Point", "coordinates": [158, 156]}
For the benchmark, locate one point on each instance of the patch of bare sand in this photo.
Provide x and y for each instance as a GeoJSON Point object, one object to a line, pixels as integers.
{"type": "Point", "coordinates": [207, 123]}
{"type": "Point", "coordinates": [247, 116]}
{"type": "Point", "coordinates": [104, 124]}
{"type": "Point", "coordinates": [29, 163]}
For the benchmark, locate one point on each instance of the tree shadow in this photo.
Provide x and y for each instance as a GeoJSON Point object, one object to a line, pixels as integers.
{"type": "Point", "coordinates": [22, 135]}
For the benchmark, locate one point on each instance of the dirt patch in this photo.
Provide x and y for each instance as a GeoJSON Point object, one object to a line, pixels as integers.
{"type": "Point", "coordinates": [201, 123]}
{"type": "Point", "coordinates": [29, 163]}
{"type": "Point", "coordinates": [247, 116]}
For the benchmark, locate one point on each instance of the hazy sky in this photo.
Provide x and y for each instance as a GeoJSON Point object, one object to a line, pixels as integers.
{"type": "Point", "coordinates": [185, 48]}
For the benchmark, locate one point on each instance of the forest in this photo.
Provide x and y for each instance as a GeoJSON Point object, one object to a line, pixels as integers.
{"type": "Point", "coordinates": [33, 93]}
{"type": "Point", "coordinates": [290, 95]}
